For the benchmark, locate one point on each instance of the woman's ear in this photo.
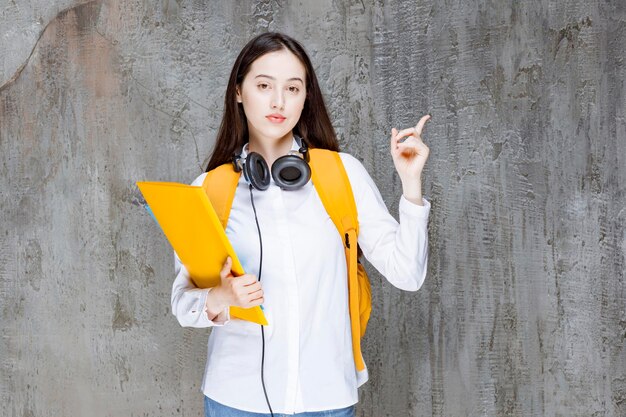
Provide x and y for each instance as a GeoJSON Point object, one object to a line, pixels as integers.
{"type": "Point", "coordinates": [238, 94]}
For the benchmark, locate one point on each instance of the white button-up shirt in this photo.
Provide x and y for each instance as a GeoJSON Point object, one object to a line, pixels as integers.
{"type": "Point", "coordinates": [309, 363]}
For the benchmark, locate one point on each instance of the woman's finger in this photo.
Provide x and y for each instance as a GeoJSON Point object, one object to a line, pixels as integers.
{"type": "Point", "coordinates": [248, 279]}
{"type": "Point", "coordinates": [254, 287]}
{"type": "Point", "coordinates": [408, 142]}
{"type": "Point", "coordinates": [405, 132]}
{"type": "Point", "coordinates": [421, 123]}
{"type": "Point", "coordinates": [256, 302]}
{"type": "Point", "coordinates": [394, 132]}
{"type": "Point", "coordinates": [256, 294]}
{"type": "Point", "coordinates": [412, 146]}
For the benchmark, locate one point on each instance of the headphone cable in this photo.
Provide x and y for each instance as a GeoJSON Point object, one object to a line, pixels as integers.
{"type": "Point", "coordinates": [262, 328]}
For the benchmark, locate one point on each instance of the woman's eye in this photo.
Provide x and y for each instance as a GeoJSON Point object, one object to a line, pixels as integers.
{"type": "Point", "coordinates": [294, 89]}
{"type": "Point", "coordinates": [263, 86]}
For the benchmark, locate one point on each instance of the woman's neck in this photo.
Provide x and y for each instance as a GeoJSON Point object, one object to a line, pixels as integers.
{"type": "Point", "coordinates": [271, 150]}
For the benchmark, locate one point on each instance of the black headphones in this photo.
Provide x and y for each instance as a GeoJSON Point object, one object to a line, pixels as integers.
{"type": "Point", "coordinates": [289, 172]}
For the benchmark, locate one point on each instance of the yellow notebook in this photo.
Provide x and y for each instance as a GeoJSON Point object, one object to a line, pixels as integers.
{"type": "Point", "coordinates": [192, 227]}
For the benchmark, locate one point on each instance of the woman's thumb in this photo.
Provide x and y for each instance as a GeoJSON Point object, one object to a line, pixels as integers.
{"type": "Point", "coordinates": [227, 267]}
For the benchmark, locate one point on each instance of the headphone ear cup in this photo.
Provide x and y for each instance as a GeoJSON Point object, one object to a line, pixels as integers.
{"type": "Point", "coordinates": [256, 171]}
{"type": "Point", "coordinates": [290, 172]}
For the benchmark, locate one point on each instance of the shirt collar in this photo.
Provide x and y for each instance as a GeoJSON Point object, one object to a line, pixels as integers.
{"type": "Point", "coordinates": [295, 146]}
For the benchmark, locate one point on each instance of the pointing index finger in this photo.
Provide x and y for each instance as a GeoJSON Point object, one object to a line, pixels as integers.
{"type": "Point", "coordinates": [421, 123]}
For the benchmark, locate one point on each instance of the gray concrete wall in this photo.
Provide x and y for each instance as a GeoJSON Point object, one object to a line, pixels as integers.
{"type": "Point", "coordinates": [523, 312]}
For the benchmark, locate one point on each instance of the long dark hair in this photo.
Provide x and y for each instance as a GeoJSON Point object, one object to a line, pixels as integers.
{"type": "Point", "coordinates": [314, 125]}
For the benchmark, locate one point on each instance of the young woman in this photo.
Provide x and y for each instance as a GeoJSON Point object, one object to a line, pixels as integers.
{"type": "Point", "coordinates": [302, 363]}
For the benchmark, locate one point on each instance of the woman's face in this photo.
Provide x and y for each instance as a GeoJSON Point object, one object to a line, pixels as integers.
{"type": "Point", "coordinates": [273, 94]}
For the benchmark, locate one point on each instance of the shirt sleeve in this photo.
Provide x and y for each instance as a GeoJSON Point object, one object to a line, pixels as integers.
{"type": "Point", "coordinates": [399, 251]}
{"type": "Point", "coordinates": [189, 301]}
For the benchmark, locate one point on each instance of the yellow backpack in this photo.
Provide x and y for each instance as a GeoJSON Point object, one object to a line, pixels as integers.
{"type": "Point", "coordinates": [333, 186]}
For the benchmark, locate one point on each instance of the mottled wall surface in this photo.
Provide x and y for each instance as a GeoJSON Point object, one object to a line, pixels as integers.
{"type": "Point", "coordinates": [524, 309]}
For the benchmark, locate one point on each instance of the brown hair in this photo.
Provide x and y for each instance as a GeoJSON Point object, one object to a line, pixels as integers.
{"type": "Point", "coordinates": [314, 125]}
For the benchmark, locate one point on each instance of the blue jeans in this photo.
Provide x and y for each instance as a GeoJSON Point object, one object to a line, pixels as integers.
{"type": "Point", "coordinates": [215, 409]}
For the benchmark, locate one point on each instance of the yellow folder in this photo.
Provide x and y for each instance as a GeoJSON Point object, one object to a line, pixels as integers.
{"type": "Point", "coordinates": [192, 227]}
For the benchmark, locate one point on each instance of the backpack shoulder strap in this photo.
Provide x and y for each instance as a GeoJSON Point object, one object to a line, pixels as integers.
{"type": "Point", "coordinates": [220, 185]}
{"type": "Point", "coordinates": [333, 186]}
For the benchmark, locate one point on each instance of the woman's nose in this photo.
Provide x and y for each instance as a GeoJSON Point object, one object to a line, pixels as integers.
{"type": "Point", "coordinates": [278, 101]}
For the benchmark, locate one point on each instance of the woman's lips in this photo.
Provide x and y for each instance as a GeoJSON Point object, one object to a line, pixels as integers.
{"type": "Point", "coordinates": [275, 119]}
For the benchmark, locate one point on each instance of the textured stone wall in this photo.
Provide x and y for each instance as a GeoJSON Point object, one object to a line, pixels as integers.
{"type": "Point", "coordinates": [524, 309]}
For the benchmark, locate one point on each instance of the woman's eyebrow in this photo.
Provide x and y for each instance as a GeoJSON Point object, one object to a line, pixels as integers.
{"type": "Point", "coordinates": [274, 79]}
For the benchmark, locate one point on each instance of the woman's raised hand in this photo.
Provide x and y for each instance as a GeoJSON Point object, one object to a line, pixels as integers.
{"type": "Point", "coordinates": [242, 291]}
{"type": "Point", "coordinates": [409, 155]}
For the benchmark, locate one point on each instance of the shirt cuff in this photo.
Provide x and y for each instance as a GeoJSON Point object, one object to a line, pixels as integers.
{"type": "Point", "coordinates": [415, 210]}
{"type": "Point", "coordinates": [221, 319]}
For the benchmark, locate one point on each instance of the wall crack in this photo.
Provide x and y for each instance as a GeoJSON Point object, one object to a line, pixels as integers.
{"type": "Point", "coordinates": [18, 72]}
